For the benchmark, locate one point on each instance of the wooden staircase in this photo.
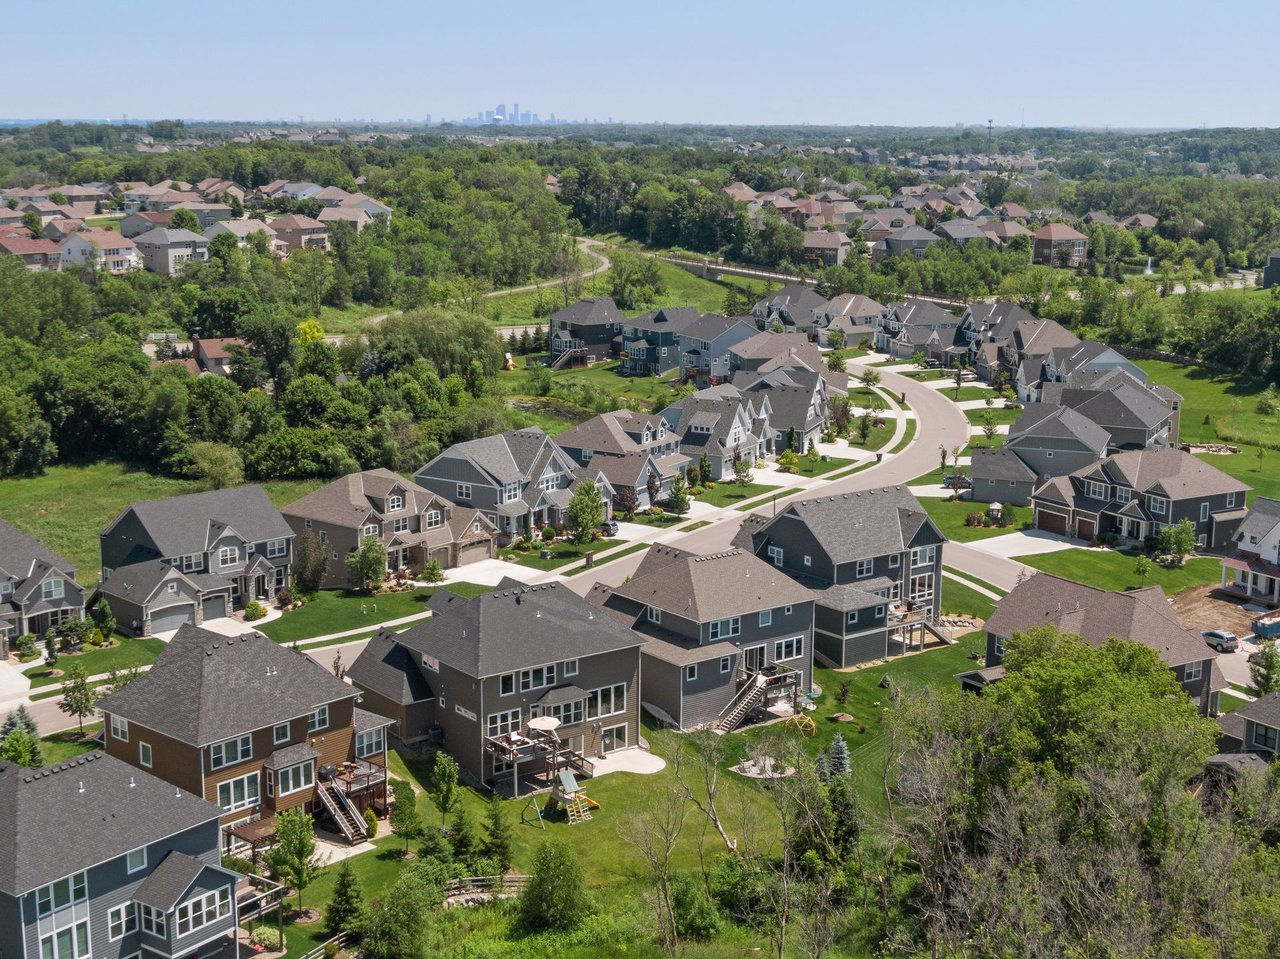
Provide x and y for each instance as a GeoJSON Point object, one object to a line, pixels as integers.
{"type": "Point", "coordinates": [343, 812]}
{"type": "Point", "coordinates": [577, 810]}
{"type": "Point", "coordinates": [742, 704]}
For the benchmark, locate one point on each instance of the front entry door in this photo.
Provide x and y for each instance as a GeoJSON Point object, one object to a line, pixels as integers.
{"type": "Point", "coordinates": [753, 659]}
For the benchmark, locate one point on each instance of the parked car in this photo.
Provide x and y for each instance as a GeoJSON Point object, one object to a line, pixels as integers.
{"type": "Point", "coordinates": [609, 527]}
{"type": "Point", "coordinates": [950, 480]}
{"type": "Point", "coordinates": [1221, 640]}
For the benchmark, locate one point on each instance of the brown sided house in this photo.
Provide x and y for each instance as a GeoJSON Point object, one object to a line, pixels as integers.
{"type": "Point", "coordinates": [518, 683]}
{"type": "Point", "coordinates": [416, 525]}
{"type": "Point", "coordinates": [297, 231]}
{"type": "Point", "coordinates": [255, 728]}
{"type": "Point", "coordinates": [1095, 615]}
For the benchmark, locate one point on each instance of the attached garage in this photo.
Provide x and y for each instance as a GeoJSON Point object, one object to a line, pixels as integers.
{"type": "Point", "coordinates": [171, 617]}
{"type": "Point", "coordinates": [215, 607]}
{"type": "Point", "coordinates": [1086, 528]}
{"type": "Point", "coordinates": [473, 553]}
{"type": "Point", "coordinates": [1051, 522]}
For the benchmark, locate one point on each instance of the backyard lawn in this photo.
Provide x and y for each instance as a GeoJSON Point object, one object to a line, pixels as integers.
{"type": "Point", "coordinates": [959, 598]}
{"type": "Point", "coordinates": [640, 393]}
{"type": "Point", "coordinates": [729, 493]}
{"type": "Point", "coordinates": [1000, 415]}
{"type": "Point", "coordinates": [343, 322]}
{"type": "Point", "coordinates": [563, 552]}
{"type": "Point", "coordinates": [981, 443]}
{"type": "Point", "coordinates": [337, 610]}
{"type": "Point", "coordinates": [68, 506]}
{"type": "Point", "coordinates": [1110, 569]}
{"type": "Point", "coordinates": [969, 392]}
{"type": "Point", "coordinates": [949, 515]}
{"type": "Point", "coordinates": [69, 744]}
{"type": "Point", "coordinates": [126, 653]}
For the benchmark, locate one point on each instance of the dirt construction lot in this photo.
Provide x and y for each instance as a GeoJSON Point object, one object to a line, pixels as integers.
{"type": "Point", "coordinates": [1207, 607]}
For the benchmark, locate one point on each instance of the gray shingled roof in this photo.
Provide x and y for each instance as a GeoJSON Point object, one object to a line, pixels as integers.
{"type": "Point", "coordinates": [179, 525]}
{"type": "Point", "coordinates": [349, 499]}
{"type": "Point", "coordinates": [551, 622]}
{"type": "Point", "coordinates": [53, 828]}
{"type": "Point", "coordinates": [137, 582]}
{"type": "Point", "coordinates": [388, 669]}
{"type": "Point", "coordinates": [1177, 474]}
{"type": "Point", "coordinates": [204, 687]}
{"type": "Point", "coordinates": [596, 311]}
{"type": "Point", "coordinates": [291, 756]}
{"type": "Point", "coordinates": [1261, 519]}
{"type": "Point", "coordinates": [365, 720]}
{"type": "Point", "coordinates": [1264, 710]}
{"type": "Point", "coordinates": [1001, 465]}
{"type": "Point", "coordinates": [1060, 422]}
{"type": "Point", "coordinates": [18, 552]}
{"type": "Point", "coordinates": [169, 881]}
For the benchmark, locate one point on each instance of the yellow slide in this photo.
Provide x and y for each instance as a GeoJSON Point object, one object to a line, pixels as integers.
{"type": "Point", "coordinates": [591, 803]}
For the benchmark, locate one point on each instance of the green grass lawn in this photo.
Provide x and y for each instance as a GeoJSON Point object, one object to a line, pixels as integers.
{"type": "Point", "coordinates": [950, 516]}
{"type": "Point", "coordinates": [698, 525]}
{"type": "Point", "coordinates": [968, 392]}
{"type": "Point", "coordinates": [816, 466]}
{"type": "Point", "coordinates": [562, 553]}
{"type": "Point", "coordinates": [103, 222]}
{"type": "Point", "coordinates": [1109, 569]}
{"type": "Point", "coordinates": [633, 548]}
{"type": "Point", "coordinates": [640, 393]}
{"type": "Point", "coordinates": [660, 520]}
{"type": "Point", "coordinates": [69, 744]}
{"type": "Point", "coordinates": [337, 610]}
{"type": "Point", "coordinates": [907, 437]}
{"type": "Point", "coordinates": [729, 493]}
{"type": "Point", "coordinates": [877, 437]}
{"type": "Point", "coordinates": [342, 322]}
{"type": "Point", "coordinates": [1228, 703]}
{"type": "Point", "coordinates": [959, 598]}
{"type": "Point", "coordinates": [68, 506]}
{"type": "Point", "coordinates": [126, 653]}
{"type": "Point", "coordinates": [1001, 415]}
{"type": "Point", "coordinates": [981, 443]}
{"type": "Point", "coordinates": [928, 374]}
{"type": "Point", "coordinates": [970, 578]}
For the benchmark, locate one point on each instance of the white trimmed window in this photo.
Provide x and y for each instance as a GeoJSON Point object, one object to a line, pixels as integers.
{"type": "Point", "coordinates": [792, 648]}
{"type": "Point", "coordinates": [136, 861]}
{"type": "Point", "coordinates": [238, 793]}
{"type": "Point", "coordinates": [864, 568]}
{"type": "Point", "coordinates": [607, 701]}
{"type": "Point", "coordinates": [537, 678]}
{"type": "Point", "coordinates": [230, 751]}
{"type": "Point", "coordinates": [726, 663]}
{"type": "Point", "coordinates": [69, 943]}
{"type": "Point", "coordinates": [434, 518]}
{"type": "Point", "coordinates": [57, 895]}
{"type": "Point", "coordinates": [924, 556]}
{"type": "Point", "coordinates": [691, 672]}
{"type": "Point", "coordinates": [569, 714]}
{"type": "Point", "coordinates": [228, 556]}
{"type": "Point", "coordinates": [1157, 504]}
{"type": "Point", "coordinates": [1204, 512]}
{"type": "Point", "coordinates": [121, 921]}
{"type": "Point", "coordinates": [1192, 672]}
{"type": "Point", "coordinates": [280, 734]}
{"type": "Point", "coordinates": [464, 491]}
{"type": "Point", "coordinates": [318, 719]}
{"type": "Point", "coordinates": [293, 779]}
{"type": "Point", "coordinates": [1123, 494]}
{"type": "Point", "coordinates": [51, 589]}
{"type": "Point", "coordinates": [653, 614]}
{"type": "Point", "coordinates": [879, 612]}
{"type": "Point", "coordinates": [371, 529]}
{"type": "Point", "coordinates": [1096, 490]}
{"type": "Point", "coordinates": [119, 728]}
{"type": "Point", "coordinates": [499, 724]}
{"type": "Point", "coordinates": [571, 667]}
{"type": "Point", "coordinates": [144, 755]}
{"type": "Point", "coordinates": [775, 555]}
{"type": "Point", "coordinates": [371, 742]}
{"type": "Point", "coordinates": [400, 524]}
{"type": "Point", "coordinates": [1264, 737]}
{"type": "Point", "coordinates": [895, 560]}
{"type": "Point", "coordinates": [204, 911]}
{"type": "Point", "coordinates": [852, 617]}
{"type": "Point", "coordinates": [191, 562]}
{"type": "Point", "coordinates": [152, 920]}
{"type": "Point", "coordinates": [277, 548]}
{"type": "Point", "coordinates": [506, 684]}
{"type": "Point", "coordinates": [1231, 500]}
{"type": "Point", "coordinates": [766, 617]}
{"type": "Point", "coordinates": [395, 502]}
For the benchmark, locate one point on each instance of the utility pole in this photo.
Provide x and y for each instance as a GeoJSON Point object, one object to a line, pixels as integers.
{"type": "Point", "coordinates": [988, 136]}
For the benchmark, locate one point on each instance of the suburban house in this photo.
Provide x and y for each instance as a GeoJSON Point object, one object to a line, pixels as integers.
{"type": "Point", "coordinates": [799, 408]}
{"type": "Point", "coordinates": [723, 424]}
{"type": "Point", "coordinates": [1253, 728]}
{"type": "Point", "coordinates": [38, 588]}
{"type": "Point", "coordinates": [626, 447]}
{"type": "Point", "coordinates": [872, 558]}
{"type": "Point", "coordinates": [186, 559]}
{"type": "Point", "coordinates": [105, 248]}
{"type": "Point", "coordinates": [136, 224]}
{"type": "Point", "coordinates": [1095, 615]}
{"type": "Point", "coordinates": [353, 215]}
{"type": "Point", "coordinates": [1133, 494]}
{"type": "Point", "coordinates": [1056, 440]}
{"type": "Point", "coordinates": [988, 328]}
{"type": "Point", "coordinates": [39, 255]}
{"type": "Point", "coordinates": [105, 860]}
{"type": "Point", "coordinates": [723, 636]}
{"type": "Point", "coordinates": [1252, 569]}
{"type": "Point", "coordinates": [963, 232]}
{"type": "Point", "coordinates": [1087, 358]}
{"type": "Point", "coordinates": [852, 315]}
{"type": "Point", "coordinates": [1002, 231]}
{"type": "Point", "coordinates": [58, 230]}
{"type": "Point", "coordinates": [1000, 476]}
{"type": "Point", "coordinates": [911, 240]}
{"type": "Point", "coordinates": [586, 331]}
{"type": "Point", "coordinates": [567, 691]}
{"type": "Point", "coordinates": [513, 478]}
{"type": "Point", "coordinates": [791, 307]}
{"type": "Point", "coordinates": [1134, 416]}
{"type": "Point", "coordinates": [213, 353]}
{"type": "Point", "coordinates": [651, 342]}
{"type": "Point", "coordinates": [296, 231]}
{"type": "Point", "coordinates": [255, 728]}
{"type": "Point", "coordinates": [243, 229]}
{"type": "Point", "coordinates": [206, 214]}
{"type": "Point", "coordinates": [1056, 244]}
{"type": "Point", "coordinates": [706, 344]}
{"type": "Point", "coordinates": [414, 524]}
{"type": "Point", "coordinates": [826, 247]}
{"type": "Point", "coordinates": [166, 251]}
{"type": "Point", "coordinates": [921, 326]}
{"type": "Point", "coordinates": [767, 352]}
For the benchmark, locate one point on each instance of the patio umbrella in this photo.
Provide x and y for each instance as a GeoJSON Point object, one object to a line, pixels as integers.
{"type": "Point", "coordinates": [546, 723]}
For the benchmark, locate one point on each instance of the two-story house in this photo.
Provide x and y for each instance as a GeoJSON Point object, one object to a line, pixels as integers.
{"type": "Point", "coordinates": [706, 346]}
{"type": "Point", "coordinates": [626, 447]}
{"type": "Point", "coordinates": [768, 351]}
{"type": "Point", "coordinates": [167, 251]}
{"type": "Point", "coordinates": [513, 478]}
{"type": "Point", "coordinates": [586, 331]}
{"type": "Point", "coordinates": [825, 247]}
{"type": "Point", "coordinates": [38, 588]}
{"type": "Point", "coordinates": [185, 559]}
{"type": "Point", "coordinates": [136, 224]}
{"type": "Point", "coordinates": [1252, 569]}
{"type": "Point", "coordinates": [1132, 415]}
{"type": "Point", "coordinates": [38, 254]}
{"type": "Point", "coordinates": [852, 315]}
{"type": "Point", "coordinates": [874, 561]}
{"type": "Point", "coordinates": [414, 524]}
{"type": "Point", "coordinates": [103, 248]}
{"type": "Point", "coordinates": [792, 307]}
{"type": "Point", "coordinates": [1095, 615]}
{"type": "Point", "coordinates": [242, 230]}
{"type": "Point", "coordinates": [913, 240]}
{"type": "Point", "coordinates": [919, 326]}
{"type": "Point", "coordinates": [651, 341]}
{"type": "Point", "coordinates": [104, 860]}
{"type": "Point", "coordinates": [1049, 440]}
{"type": "Point", "coordinates": [1133, 494]}
{"type": "Point", "coordinates": [1253, 728]}
{"type": "Point", "coordinates": [799, 405]}
{"type": "Point", "coordinates": [723, 424]}
{"type": "Point", "coordinates": [255, 728]}
{"type": "Point", "coordinates": [724, 635]}
{"type": "Point", "coordinates": [1056, 244]}
{"type": "Point", "coordinates": [296, 231]}
{"type": "Point", "coordinates": [520, 682]}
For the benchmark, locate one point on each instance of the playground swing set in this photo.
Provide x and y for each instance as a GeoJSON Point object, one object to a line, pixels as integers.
{"type": "Point", "coordinates": [565, 794]}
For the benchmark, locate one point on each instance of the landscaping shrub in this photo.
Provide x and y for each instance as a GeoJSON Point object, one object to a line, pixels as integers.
{"type": "Point", "coordinates": [254, 611]}
{"type": "Point", "coordinates": [371, 821]}
{"type": "Point", "coordinates": [548, 533]}
{"type": "Point", "coordinates": [284, 597]}
{"type": "Point", "coordinates": [269, 938]}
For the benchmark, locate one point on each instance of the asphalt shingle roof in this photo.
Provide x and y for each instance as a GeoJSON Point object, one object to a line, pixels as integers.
{"type": "Point", "coordinates": [169, 881]}
{"type": "Point", "coordinates": [387, 668]}
{"type": "Point", "coordinates": [179, 525]}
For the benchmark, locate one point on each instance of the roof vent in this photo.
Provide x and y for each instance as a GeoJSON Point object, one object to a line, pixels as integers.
{"type": "Point", "coordinates": [538, 613]}
{"type": "Point", "coordinates": [80, 787]}
{"type": "Point", "coordinates": [177, 793]}
{"type": "Point", "coordinates": [133, 783]}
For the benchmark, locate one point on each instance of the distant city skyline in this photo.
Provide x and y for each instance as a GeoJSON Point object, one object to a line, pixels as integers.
{"type": "Point", "coordinates": [1090, 64]}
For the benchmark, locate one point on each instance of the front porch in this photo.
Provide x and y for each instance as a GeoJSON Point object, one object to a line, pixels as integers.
{"type": "Point", "coordinates": [1251, 578]}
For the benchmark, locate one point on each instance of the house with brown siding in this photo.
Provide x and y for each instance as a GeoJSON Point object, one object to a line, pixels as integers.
{"type": "Point", "coordinates": [255, 728]}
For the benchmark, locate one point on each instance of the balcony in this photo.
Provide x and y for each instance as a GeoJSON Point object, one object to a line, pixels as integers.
{"type": "Point", "coordinates": [358, 776]}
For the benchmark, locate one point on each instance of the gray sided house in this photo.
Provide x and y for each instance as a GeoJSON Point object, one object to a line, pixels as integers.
{"type": "Point", "coordinates": [1095, 615]}
{"type": "Point", "coordinates": [416, 525]}
{"type": "Point", "coordinates": [874, 561]}
{"type": "Point", "coordinates": [1000, 476]}
{"type": "Point", "coordinates": [792, 307]}
{"type": "Point", "coordinates": [1253, 728]}
{"type": "Point", "coordinates": [1066, 363]}
{"type": "Point", "coordinates": [105, 860]}
{"type": "Point", "coordinates": [586, 331]}
{"type": "Point", "coordinates": [921, 326]}
{"type": "Point", "coordinates": [912, 240]}
{"type": "Point", "coordinates": [38, 588]}
{"type": "Point", "coordinates": [460, 681]}
{"type": "Point", "coordinates": [185, 559]}
{"type": "Point", "coordinates": [1132, 495]}
{"type": "Point", "coordinates": [853, 315]}
{"type": "Point", "coordinates": [798, 404]}
{"type": "Point", "coordinates": [766, 352]}
{"type": "Point", "coordinates": [724, 636]}
{"type": "Point", "coordinates": [1134, 416]}
{"type": "Point", "coordinates": [510, 478]}
{"type": "Point", "coordinates": [722, 423]}
{"type": "Point", "coordinates": [705, 346]}
{"type": "Point", "coordinates": [1054, 440]}
{"type": "Point", "coordinates": [651, 343]}
{"type": "Point", "coordinates": [626, 447]}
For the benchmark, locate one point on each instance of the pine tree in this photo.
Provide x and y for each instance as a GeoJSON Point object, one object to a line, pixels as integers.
{"type": "Point", "coordinates": [824, 769]}
{"type": "Point", "coordinates": [463, 837]}
{"type": "Point", "coordinates": [346, 907]}
{"type": "Point", "coordinates": [19, 718]}
{"type": "Point", "coordinates": [497, 844]}
{"type": "Point", "coordinates": [405, 821]}
{"type": "Point", "coordinates": [838, 758]}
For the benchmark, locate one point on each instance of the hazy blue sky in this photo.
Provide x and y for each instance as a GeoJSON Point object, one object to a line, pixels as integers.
{"type": "Point", "coordinates": [1088, 63]}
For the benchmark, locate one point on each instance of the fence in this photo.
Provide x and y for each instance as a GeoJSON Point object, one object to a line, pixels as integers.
{"type": "Point", "coordinates": [481, 884]}
{"type": "Point", "coordinates": [339, 940]}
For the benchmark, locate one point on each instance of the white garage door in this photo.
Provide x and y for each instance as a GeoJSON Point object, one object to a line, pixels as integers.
{"type": "Point", "coordinates": [171, 617]}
